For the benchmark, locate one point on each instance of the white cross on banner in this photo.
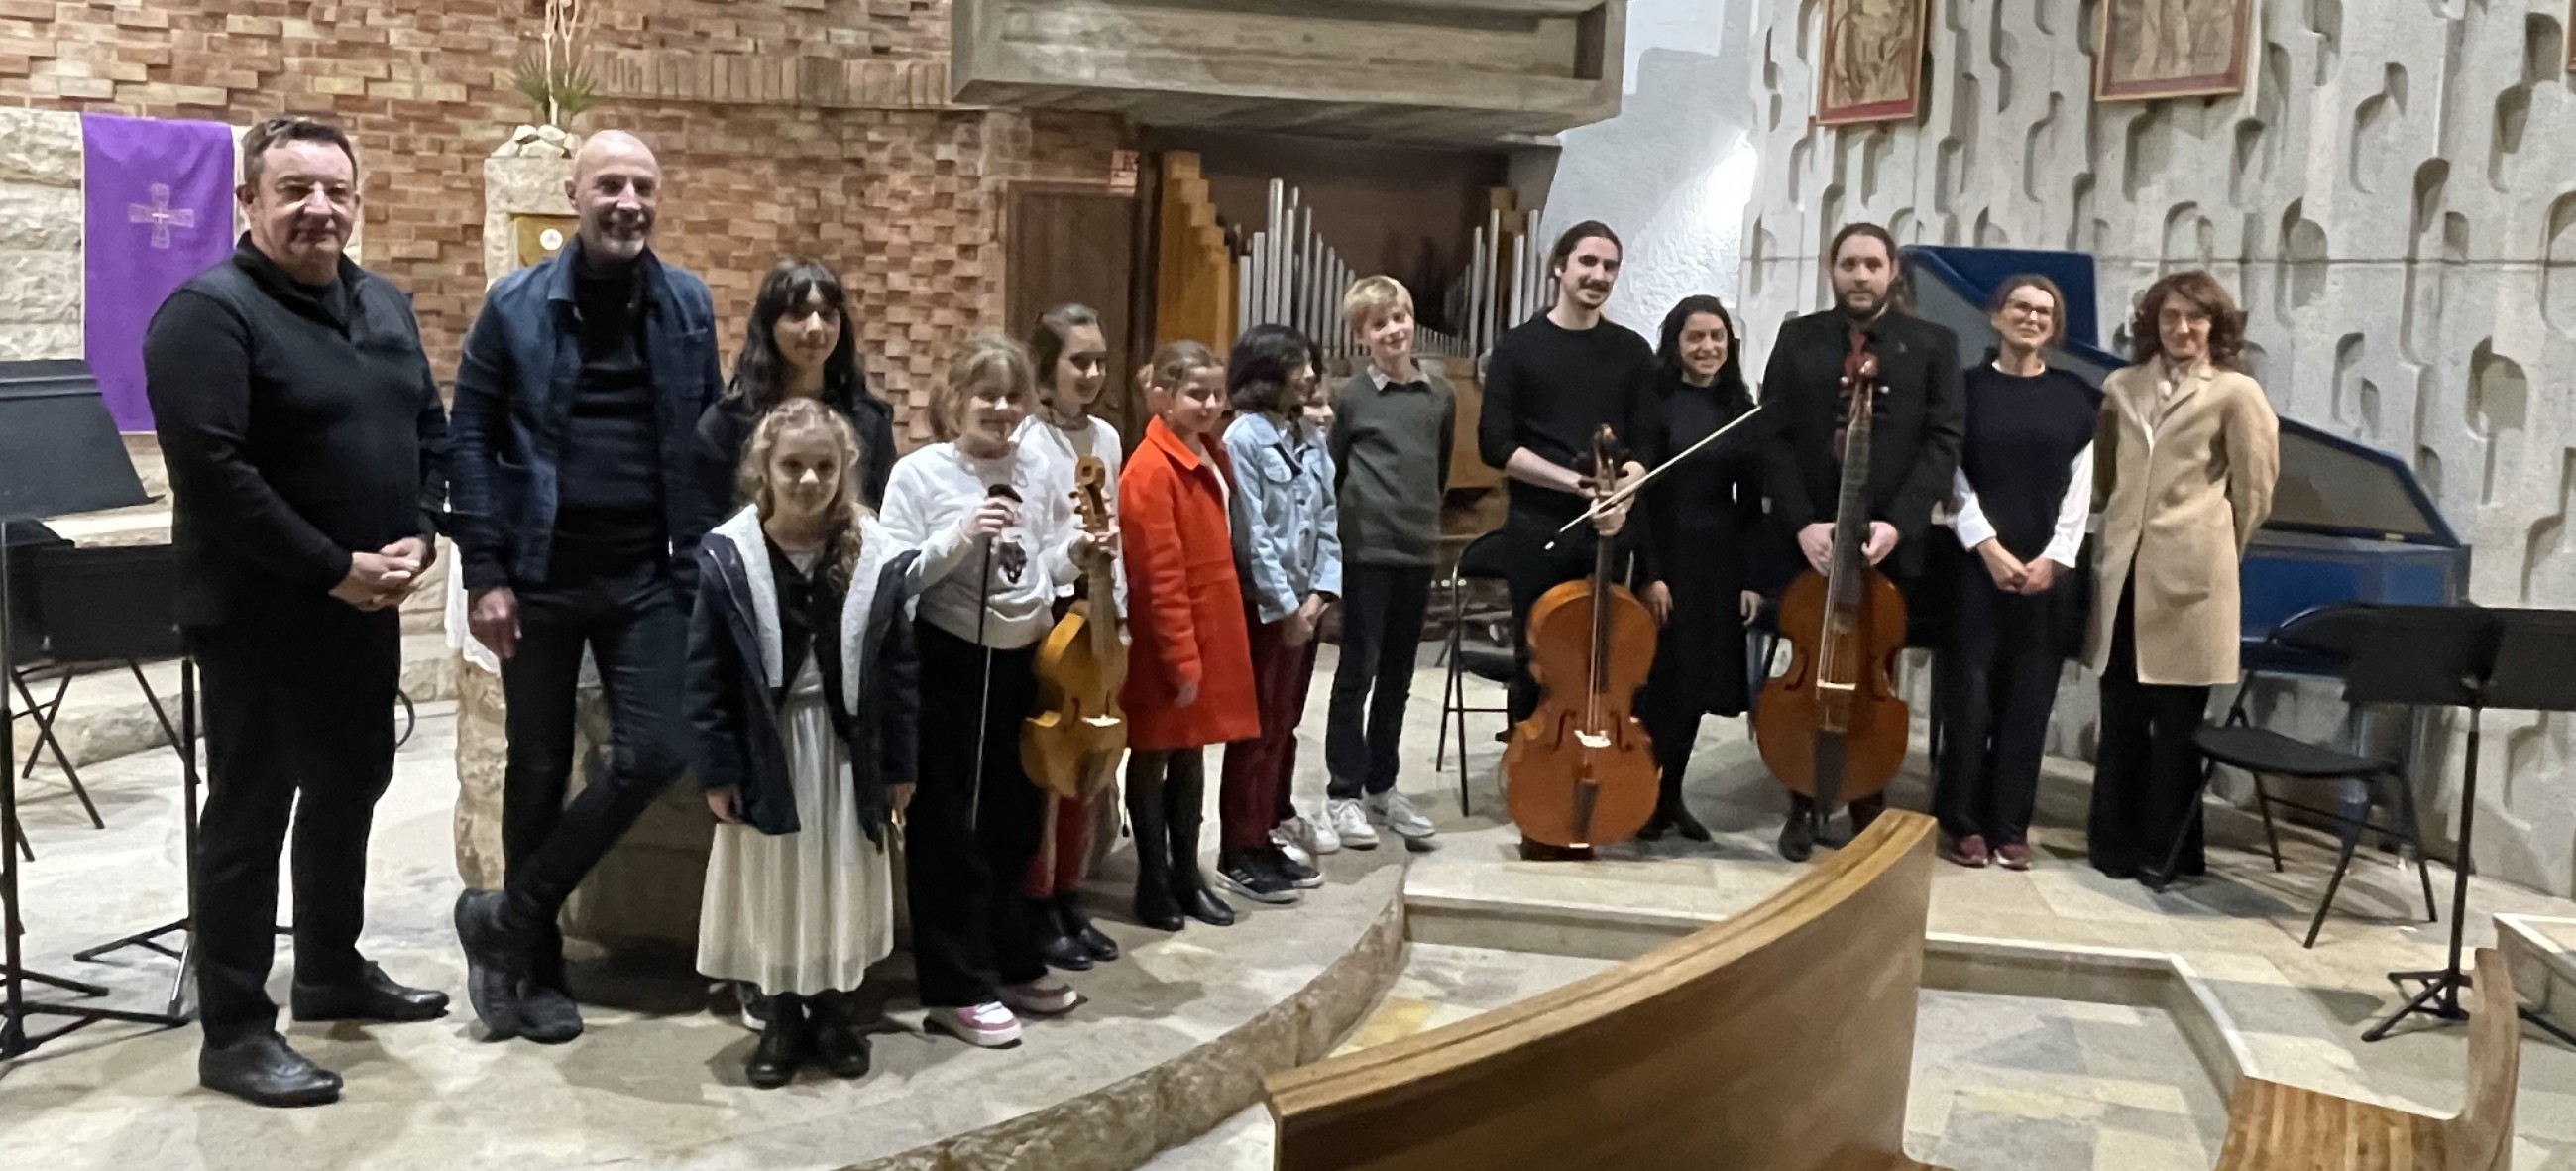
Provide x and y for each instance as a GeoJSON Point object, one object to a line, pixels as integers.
{"type": "Point", "coordinates": [161, 215]}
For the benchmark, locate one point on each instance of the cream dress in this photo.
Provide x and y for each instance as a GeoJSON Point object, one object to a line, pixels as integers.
{"type": "Point", "coordinates": [806, 912]}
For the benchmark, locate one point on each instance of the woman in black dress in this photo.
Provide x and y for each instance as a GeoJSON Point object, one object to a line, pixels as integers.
{"type": "Point", "coordinates": [1702, 524]}
{"type": "Point", "coordinates": [2024, 481]}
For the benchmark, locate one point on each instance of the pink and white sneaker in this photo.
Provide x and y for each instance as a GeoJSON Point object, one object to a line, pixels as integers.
{"type": "Point", "coordinates": [985, 1026]}
{"type": "Point", "coordinates": [1044, 996]}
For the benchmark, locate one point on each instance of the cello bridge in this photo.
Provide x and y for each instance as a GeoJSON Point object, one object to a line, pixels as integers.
{"type": "Point", "coordinates": [1595, 740]}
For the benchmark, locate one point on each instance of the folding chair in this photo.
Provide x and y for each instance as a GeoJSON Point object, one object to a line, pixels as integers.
{"type": "Point", "coordinates": [2312, 643]}
{"type": "Point", "coordinates": [1481, 560]}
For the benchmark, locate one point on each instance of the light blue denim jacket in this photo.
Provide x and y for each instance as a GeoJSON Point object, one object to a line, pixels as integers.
{"type": "Point", "coordinates": [1287, 538]}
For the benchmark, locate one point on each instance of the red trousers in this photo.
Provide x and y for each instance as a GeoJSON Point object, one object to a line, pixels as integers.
{"type": "Point", "coordinates": [1058, 866]}
{"type": "Point", "coordinates": [1258, 770]}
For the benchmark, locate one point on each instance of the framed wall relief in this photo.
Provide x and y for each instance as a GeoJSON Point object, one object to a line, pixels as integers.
{"type": "Point", "coordinates": [2172, 49]}
{"type": "Point", "coordinates": [1872, 68]}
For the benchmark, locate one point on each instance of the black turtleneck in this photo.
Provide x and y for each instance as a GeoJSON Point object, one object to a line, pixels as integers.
{"type": "Point", "coordinates": [612, 486]}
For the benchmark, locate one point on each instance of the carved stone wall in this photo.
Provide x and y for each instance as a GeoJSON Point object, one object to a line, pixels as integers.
{"type": "Point", "coordinates": [2394, 203]}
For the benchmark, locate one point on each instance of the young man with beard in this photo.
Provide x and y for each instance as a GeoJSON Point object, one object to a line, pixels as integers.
{"type": "Point", "coordinates": [305, 442]}
{"type": "Point", "coordinates": [1917, 427]}
{"type": "Point", "coordinates": [1553, 382]}
{"type": "Point", "coordinates": [576, 409]}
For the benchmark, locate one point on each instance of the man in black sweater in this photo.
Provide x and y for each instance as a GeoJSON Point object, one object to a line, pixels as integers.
{"type": "Point", "coordinates": [1916, 431]}
{"type": "Point", "coordinates": [1553, 382]}
{"type": "Point", "coordinates": [305, 443]}
{"type": "Point", "coordinates": [576, 525]}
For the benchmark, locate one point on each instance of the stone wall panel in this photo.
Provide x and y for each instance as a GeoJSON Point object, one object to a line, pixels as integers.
{"type": "Point", "coordinates": [2391, 204]}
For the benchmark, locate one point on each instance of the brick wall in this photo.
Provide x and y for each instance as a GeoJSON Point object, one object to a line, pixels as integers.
{"type": "Point", "coordinates": [903, 200]}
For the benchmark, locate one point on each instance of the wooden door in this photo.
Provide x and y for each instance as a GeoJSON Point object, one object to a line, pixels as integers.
{"type": "Point", "coordinates": [1079, 245]}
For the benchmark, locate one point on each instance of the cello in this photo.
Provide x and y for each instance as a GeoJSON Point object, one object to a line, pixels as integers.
{"type": "Point", "coordinates": [1832, 726]}
{"type": "Point", "coordinates": [1070, 747]}
{"type": "Point", "coordinates": [1580, 769]}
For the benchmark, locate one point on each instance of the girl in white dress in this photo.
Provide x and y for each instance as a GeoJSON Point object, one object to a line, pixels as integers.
{"type": "Point", "coordinates": [803, 697]}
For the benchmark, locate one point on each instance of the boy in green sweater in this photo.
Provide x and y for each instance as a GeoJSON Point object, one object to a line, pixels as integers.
{"type": "Point", "coordinates": [1390, 439]}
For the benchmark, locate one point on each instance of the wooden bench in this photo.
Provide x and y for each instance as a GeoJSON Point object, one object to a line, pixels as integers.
{"type": "Point", "coordinates": [2273, 1127]}
{"type": "Point", "coordinates": [1779, 1040]}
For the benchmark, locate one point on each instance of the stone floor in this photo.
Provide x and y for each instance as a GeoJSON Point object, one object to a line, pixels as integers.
{"type": "Point", "coordinates": [1186, 1021]}
{"type": "Point", "coordinates": [656, 1084]}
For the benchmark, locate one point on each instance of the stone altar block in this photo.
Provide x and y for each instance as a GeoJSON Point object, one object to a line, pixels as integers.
{"type": "Point", "coordinates": [644, 895]}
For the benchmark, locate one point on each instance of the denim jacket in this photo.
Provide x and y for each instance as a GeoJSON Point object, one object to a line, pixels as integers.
{"type": "Point", "coordinates": [513, 411]}
{"type": "Point", "coordinates": [1287, 539]}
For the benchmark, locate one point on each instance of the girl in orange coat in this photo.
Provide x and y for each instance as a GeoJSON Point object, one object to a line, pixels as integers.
{"type": "Point", "coordinates": [1189, 676]}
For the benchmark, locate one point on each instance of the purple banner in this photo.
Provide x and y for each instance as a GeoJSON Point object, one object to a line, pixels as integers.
{"type": "Point", "coordinates": [159, 200]}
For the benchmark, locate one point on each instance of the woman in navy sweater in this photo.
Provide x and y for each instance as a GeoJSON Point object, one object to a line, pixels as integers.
{"type": "Point", "coordinates": [2025, 478]}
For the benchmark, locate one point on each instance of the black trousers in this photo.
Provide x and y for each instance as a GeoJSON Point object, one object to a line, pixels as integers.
{"type": "Point", "coordinates": [1534, 570]}
{"type": "Point", "coordinates": [1998, 679]}
{"type": "Point", "coordinates": [965, 852]}
{"type": "Point", "coordinates": [629, 617]}
{"type": "Point", "coordinates": [299, 707]}
{"type": "Point", "coordinates": [2146, 774]}
{"type": "Point", "coordinates": [1382, 612]}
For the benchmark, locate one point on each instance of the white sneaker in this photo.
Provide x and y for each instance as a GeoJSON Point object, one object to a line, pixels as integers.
{"type": "Point", "coordinates": [1348, 824]}
{"type": "Point", "coordinates": [1287, 844]}
{"type": "Point", "coordinates": [985, 1026]}
{"type": "Point", "coordinates": [1397, 811]}
{"type": "Point", "coordinates": [1297, 835]}
{"type": "Point", "coordinates": [1044, 996]}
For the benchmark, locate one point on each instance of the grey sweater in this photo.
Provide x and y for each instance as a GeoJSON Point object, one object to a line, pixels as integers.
{"type": "Point", "coordinates": [1390, 449]}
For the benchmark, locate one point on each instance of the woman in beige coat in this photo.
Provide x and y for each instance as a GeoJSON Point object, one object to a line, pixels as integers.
{"type": "Point", "coordinates": [2184, 459]}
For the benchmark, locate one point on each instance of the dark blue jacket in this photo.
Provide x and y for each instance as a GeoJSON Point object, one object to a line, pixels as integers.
{"type": "Point", "coordinates": [513, 411]}
{"type": "Point", "coordinates": [734, 698]}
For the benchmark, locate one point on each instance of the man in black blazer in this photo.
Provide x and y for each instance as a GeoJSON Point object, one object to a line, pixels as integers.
{"type": "Point", "coordinates": [1916, 432]}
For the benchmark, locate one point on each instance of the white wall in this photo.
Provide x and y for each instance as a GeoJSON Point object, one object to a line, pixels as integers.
{"type": "Point", "coordinates": [1672, 172]}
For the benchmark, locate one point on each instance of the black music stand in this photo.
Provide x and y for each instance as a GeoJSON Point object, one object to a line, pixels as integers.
{"type": "Point", "coordinates": [2479, 659]}
{"type": "Point", "coordinates": [59, 454]}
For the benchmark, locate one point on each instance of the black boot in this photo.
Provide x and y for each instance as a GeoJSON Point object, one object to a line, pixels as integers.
{"type": "Point", "coordinates": [1155, 906]}
{"type": "Point", "coordinates": [1077, 927]}
{"type": "Point", "coordinates": [782, 1044]}
{"type": "Point", "coordinates": [839, 1047]}
{"type": "Point", "coordinates": [1798, 834]}
{"type": "Point", "coordinates": [1183, 797]}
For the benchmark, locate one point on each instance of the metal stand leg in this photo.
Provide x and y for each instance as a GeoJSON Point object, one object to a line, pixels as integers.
{"type": "Point", "coordinates": [15, 1006]}
{"type": "Point", "coordinates": [45, 738]}
{"type": "Point", "coordinates": [183, 740]}
{"type": "Point", "coordinates": [2440, 998]}
{"type": "Point", "coordinates": [2532, 1016]}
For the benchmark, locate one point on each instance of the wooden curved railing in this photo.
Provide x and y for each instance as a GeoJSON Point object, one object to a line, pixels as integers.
{"type": "Point", "coordinates": [2276, 1127]}
{"type": "Point", "coordinates": [1779, 1040]}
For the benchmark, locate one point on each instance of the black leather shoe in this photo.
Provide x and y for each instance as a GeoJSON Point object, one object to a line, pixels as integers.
{"type": "Point", "coordinates": [495, 962]}
{"type": "Point", "coordinates": [263, 1071]}
{"type": "Point", "coordinates": [782, 1044]}
{"type": "Point", "coordinates": [1068, 914]}
{"type": "Point", "coordinates": [839, 1047]}
{"type": "Point", "coordinates": [1686, 825]}
{"type": "Point", "coordinates": [1065, 953]}
{"type": "Point", "coordinates": [547, 1016]}
{"type": "Point", "coordinates": [1798, 837]}
{"type": "Point", "coordinates": [1657, 826]}
{"type": "Point", "coordinates": [373, 996]}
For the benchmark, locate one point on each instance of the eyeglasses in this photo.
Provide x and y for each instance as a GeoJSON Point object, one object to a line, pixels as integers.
{"type": "Point", "coordinates": [2032, 312]}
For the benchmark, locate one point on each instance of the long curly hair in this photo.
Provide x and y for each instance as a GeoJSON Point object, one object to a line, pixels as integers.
{"type": "Point", "coordinates": [841, 547]}
{"type": "Point", "coordinates": [1730, 373]}
{"type": "Point", "coordinates": [2226, 321]}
